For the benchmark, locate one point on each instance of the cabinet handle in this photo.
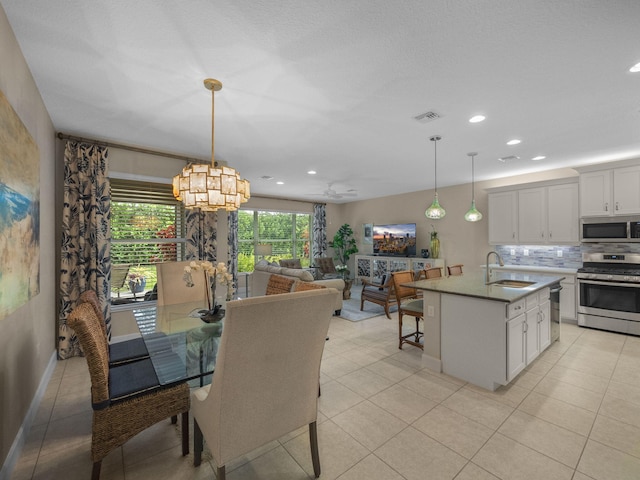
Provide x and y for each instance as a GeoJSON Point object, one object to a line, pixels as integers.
{"type": "Point", "coordinates": [606, 207]}
{"type": "Point", "coordinates": [550, 234]}
{"type": "Point", "coordinates": [513, 235]}
{"type": "Point", "coordinates": [617, 206]}
{"type": "Point", "coordinates": [525, 327]}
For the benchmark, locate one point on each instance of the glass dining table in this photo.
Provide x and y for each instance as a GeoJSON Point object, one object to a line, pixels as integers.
{"type": "Point", "coordinates": [181, 345]}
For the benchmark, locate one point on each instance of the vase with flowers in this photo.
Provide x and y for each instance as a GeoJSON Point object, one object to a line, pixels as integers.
{"type": "Point", "coordinates": [213, 275]}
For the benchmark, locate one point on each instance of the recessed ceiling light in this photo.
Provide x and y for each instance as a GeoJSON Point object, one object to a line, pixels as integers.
{"type": "Point", "coordinates": [515, 141]}
{"type": "Point", "coordinates": [477, 118]}
{"type": "Point", "coordinates": [311, 172]}
{"type": "Point", "coordinates": [635, 68]}
{"type": "Point", "coordinates": [539, 157]}
{"type": "Point", "coordinates": [280, 183]}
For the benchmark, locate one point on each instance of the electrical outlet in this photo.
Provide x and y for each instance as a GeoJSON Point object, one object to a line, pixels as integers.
{"type": "Point", "coordinates": [513, 251]}
{"type": "Point", "coordinates": [430, 311]}
{"type": "Point", "coordinates": [526, 252]}
{"type": "Point", "coordinates": [559, 253]}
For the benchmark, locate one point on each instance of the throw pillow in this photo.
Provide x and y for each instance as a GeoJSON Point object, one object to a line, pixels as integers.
{"type": "Point", "coordinates": [278, 284]}
{"type": "Point", "coordinates": [303, 286]}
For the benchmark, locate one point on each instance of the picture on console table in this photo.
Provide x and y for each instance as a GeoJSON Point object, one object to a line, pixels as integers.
{"type": "Point", "coordinates": [397, 239]}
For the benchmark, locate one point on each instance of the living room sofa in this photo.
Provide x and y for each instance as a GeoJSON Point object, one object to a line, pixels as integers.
{"type": "Point", "coordinates": [263, 270]}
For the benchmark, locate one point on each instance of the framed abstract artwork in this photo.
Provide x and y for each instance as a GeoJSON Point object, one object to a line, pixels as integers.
{"type": "Point", "coordinates": [367, 233]}
{"type": "Point", "coordinates": [19, 212]}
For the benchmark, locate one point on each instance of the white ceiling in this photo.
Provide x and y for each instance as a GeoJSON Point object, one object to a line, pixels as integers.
{"type": "Point", "coordinates": [334, 85]}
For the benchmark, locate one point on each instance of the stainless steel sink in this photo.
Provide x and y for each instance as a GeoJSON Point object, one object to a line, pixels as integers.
{"type": "Point", "coordinates": [511, 283]}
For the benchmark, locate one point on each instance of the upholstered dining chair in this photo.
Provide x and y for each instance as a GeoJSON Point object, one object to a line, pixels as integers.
{"type": "Point", "coordinates": [408, 304]}
{"type": "Point", "coordinates": [455, 269]}
{"type": "Point", "coordinates": [267, 376]}
{"type": "Point", "coordinates": [172, 288]}
{"type": "Point", "coordinates": [126, 399]}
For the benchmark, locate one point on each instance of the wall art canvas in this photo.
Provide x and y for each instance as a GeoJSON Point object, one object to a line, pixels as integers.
{"type": "Point", "coordinates": [19, 212]}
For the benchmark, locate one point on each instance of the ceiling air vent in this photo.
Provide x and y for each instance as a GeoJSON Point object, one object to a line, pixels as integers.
{"type": "Point", "coordinates": [509, 158]}
{"type": "Point", "coordinates": [427, 117]}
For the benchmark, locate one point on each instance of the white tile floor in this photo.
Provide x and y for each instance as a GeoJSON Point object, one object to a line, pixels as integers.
{"type": "Point", "coordinates": [573, 414]}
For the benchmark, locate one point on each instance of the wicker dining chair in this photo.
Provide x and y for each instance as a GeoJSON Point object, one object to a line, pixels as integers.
{"type": "Point", "coordinates": [126, 399]}
{"type": "Point", "coordinates": [434, 272]}
{"type": "Point", "coordinates": [119, 352]}
{"type": "Point", "coordinates": [408, 304]}
{"type": "Point", "coordinates": [455, 269]}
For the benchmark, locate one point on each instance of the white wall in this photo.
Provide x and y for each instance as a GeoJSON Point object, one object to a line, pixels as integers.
{"type": "Point", "coordinates": [27, 343]}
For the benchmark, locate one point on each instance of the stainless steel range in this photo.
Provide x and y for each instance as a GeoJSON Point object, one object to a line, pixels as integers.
{"type": "Point", "coordinates": [610, 292]}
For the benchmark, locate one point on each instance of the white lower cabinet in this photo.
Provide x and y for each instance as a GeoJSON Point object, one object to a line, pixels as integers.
{"type": "Point", "coordinates": [528, 332]}
{"type": "Point", "coordinates": [516, 337]}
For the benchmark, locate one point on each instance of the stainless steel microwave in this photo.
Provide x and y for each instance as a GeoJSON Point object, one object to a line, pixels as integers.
{"type": "Point", "coordinates": [610, 229]}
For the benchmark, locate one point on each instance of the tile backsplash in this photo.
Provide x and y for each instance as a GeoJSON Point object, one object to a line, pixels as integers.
{"type": "Point", "coordinates": [548, 255]}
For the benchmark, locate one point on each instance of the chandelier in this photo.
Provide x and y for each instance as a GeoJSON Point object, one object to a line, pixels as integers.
{"type": "Point", "coordinates": [210, 187]}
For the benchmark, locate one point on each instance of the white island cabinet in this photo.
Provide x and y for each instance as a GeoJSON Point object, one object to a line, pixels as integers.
{"type": "Point", "coordinates": [488, 343]}
{"type": "Point", "coordinates": [488, 333]}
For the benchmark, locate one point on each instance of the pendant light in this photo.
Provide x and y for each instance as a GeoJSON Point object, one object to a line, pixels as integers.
{"type": "Point", "coordinates": [209, 187]}
{"type": "Point", "coordinates": [473, 215]}
{"type": "Point", "coordinates": [435, 211]}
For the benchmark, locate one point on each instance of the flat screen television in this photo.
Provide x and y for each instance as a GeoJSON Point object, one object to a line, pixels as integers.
{"type": "Point", "coordinates": [397, 239]}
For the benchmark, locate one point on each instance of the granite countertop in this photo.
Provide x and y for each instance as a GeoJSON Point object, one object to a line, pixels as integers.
{"type": "Point", "coordinates": [472, 284]}
{"type": "Point", "coordinates": [533, 268]}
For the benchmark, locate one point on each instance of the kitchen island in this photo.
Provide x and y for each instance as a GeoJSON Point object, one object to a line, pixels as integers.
{"type": "Point", "coordinates": [485, 334]}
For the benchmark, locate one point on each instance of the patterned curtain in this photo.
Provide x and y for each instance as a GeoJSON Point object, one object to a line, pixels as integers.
{"type": "Point", "coordinates": [319, 230]}
{"type": "Point", "coordinates": [232, 243]}
{"type": "Point", "coordinates": [201, 235]}
{"type": "Point", "coordinates": [86, 237]}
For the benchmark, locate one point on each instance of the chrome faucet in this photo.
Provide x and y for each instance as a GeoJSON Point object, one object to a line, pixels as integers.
{"type": "Point", "coordinates": [487, 279]}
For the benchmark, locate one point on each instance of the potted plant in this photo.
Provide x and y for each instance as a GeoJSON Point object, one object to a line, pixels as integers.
{"type": "Point", "coordinates": [344, 246]}
{"type": "Point", "coordinates": [137, 282]}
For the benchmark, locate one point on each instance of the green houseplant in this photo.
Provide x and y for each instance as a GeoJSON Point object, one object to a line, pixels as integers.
{"type": "Point", "coordinates": [344, 245]}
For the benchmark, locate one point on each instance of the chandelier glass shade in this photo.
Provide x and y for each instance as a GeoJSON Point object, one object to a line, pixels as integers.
{"type": "Point", "coordinates": [211, 187]}
{"type": "Point", "coordinates": [473, 215]}
{"type": "Point", "coordinates": [435, 211]}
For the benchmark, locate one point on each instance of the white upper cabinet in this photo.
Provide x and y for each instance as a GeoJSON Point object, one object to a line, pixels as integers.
{"type": "Point", "coordinates": [532, 215]}
{"type": "Point", "coordinates": [626, 190]}
{"type": "Point", "coordinates": [544, 214]}
{"type": "Point", "coordinates": [595, 193]}
{"type": "Point", "coordinates": [615, 191]}
{"type": "Point", "coordinates": [503, 218]}
{"type": "Point", "coordinates": [562, 214]}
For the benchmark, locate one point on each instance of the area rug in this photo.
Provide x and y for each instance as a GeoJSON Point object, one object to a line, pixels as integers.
{"type": "Point", "coordinates": [351, 309]}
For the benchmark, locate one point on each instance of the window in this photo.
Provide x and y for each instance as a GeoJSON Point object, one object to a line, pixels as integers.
{"type": "Point", "coordinates": [287, 233]}
{"type": "Point", "coordinates": [147, 227]}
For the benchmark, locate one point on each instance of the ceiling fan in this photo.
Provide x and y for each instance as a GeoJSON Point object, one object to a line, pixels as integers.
{"type": "Point", "coordinates": [333, 194]}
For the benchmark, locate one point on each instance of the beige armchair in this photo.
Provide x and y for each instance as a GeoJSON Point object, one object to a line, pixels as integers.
{"type": "Point", "coordinates": [171, 286]}
{"type": "Point", "coordinates": [267, 374]}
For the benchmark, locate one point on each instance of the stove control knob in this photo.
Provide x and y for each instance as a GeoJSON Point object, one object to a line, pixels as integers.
{"type": "Point", "coordinates": [626, 278]}
{"type": "Point", "coordinates": [609, 277]}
